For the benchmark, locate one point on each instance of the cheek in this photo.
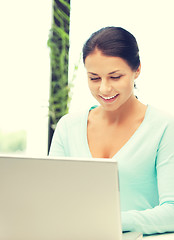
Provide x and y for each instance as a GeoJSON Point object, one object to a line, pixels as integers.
{"type": "Point", "coordinates": [126, 85]}
{"type": "Point", "coordinates": [92, 86]}
{"type": "Point", "coordinates": [89, 85]}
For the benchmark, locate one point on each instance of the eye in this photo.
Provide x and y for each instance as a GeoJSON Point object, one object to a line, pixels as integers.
{"type": "Point", "coordinates": [96, 78]}
{"type": "Point", "coordinates": [116, 77]}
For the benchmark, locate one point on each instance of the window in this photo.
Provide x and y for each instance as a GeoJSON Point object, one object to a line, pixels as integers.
{"type": "Point", "coordinates": [24, 75]}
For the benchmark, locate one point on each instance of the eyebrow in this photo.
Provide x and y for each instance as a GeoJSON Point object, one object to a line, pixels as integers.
{"type": "Point", "coordinates": [93, 73]}
{"type": "Point", "coordinates": [113, 72]}
{"type": "Point", "coordinates": [108, 73]}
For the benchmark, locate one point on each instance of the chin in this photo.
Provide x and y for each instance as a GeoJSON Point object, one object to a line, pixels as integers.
{"type": "Point", "coordinates": [110, 108]}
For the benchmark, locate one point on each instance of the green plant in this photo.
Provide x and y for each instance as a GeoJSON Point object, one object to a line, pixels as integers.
{"type": "Point", "coordinates": [58, 43]}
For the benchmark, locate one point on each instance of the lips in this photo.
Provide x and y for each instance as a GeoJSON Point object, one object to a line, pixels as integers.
{"type": "Point", "coordinates": [109, 98]}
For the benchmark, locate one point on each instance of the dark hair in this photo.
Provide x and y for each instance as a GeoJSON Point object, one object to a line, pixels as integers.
{"type": "Point", "coordinates": [116, 42]}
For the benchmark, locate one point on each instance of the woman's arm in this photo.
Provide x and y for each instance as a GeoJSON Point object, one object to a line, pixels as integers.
{"type": "Point", "coordinates": [57, 148]}
{"type": "Point", "coordinates": [161, 218]}
{"type": "Point", "coordinates": [157, 220]}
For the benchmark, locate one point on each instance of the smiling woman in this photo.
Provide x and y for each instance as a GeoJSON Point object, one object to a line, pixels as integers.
{"type": "Point", "coordinates": [140, 137]}
{"type": "Point", "coordinates": [114, 76]}
{"type": "Point", "coordinates": [105, 55]}
{"type": "Point", "coordinates": [108, 85]}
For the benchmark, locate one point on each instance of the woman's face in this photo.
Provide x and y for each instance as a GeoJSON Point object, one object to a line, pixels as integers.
{"type": "Point", "coordinates": [110, 80]}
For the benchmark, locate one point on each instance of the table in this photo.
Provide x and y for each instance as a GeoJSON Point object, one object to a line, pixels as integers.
{"type": "Point", "coordinates": [166, 236]}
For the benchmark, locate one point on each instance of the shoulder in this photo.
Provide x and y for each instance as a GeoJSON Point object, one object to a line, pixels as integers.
{"type": "Point", "coordinates": [73, 118]}
{"type": "Point", "coordinates": [159, 116]}
{"type": "Point", "coordinates": [160, 123]}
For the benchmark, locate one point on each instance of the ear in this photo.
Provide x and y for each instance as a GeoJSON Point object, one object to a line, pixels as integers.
{"type": "Point", "coordinates": [137, 73]}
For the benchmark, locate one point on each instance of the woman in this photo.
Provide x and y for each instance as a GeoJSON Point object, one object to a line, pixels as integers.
{"type": "Point", "coordinates": [139, 137]}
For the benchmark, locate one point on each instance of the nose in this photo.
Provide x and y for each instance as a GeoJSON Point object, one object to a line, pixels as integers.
{"type": "Point", "coordinates": [105, 86]}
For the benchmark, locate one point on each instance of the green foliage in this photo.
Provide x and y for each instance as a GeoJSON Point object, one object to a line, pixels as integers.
{"type": "Point", "coordinates": [58, 43]}
{"type": "Point", "coordinates": [12, 141]}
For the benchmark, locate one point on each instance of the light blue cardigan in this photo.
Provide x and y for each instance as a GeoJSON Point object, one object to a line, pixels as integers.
{"type": "Point", "coordinates": [146, 168]}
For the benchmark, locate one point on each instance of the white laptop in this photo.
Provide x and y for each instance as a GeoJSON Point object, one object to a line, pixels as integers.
{"type": "Point", "coordinates": [60, 199]}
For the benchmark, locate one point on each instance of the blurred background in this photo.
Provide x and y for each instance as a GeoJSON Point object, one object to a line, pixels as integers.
{"type": "Point", "coordinates": [25, 65]}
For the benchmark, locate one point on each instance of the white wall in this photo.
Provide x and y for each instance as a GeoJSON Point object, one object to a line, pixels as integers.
{"type": "Point", "coordinates": [151, 22]}
{"type": "Point", "coordinates": [25, 69]}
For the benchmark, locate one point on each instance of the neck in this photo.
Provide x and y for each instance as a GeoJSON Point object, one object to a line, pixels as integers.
{"type": "Point", "coordinates": [131, 107]}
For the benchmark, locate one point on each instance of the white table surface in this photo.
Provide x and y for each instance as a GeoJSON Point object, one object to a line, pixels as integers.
{"type": "Point", "coordinates": [166, 236]}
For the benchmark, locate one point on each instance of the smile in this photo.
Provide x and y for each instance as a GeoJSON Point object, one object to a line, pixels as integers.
{"type": "Point", "coordinates": [108, 98]}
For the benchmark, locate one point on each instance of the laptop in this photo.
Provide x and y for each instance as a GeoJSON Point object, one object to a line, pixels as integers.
{"type": "Point", "coordinates": [60, 199]}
